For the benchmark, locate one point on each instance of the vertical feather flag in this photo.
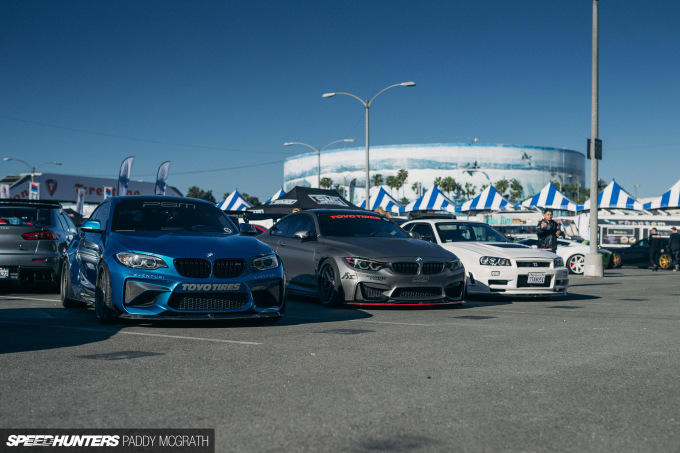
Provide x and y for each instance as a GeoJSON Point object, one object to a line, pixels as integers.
{"type": "Point", "coordinates": [161, 177]}
{"type": "Point", "coordinates": [124, 175]}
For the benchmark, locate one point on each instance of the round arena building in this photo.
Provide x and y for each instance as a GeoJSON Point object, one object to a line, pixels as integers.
{"type": "Point", "coordinates": [474, 163]}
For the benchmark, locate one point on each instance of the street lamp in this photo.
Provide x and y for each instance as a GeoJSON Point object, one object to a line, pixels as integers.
{"type": "Point", "coordinates": [367, 105]}
{"type": "Point", "coordinates": [635, 186]}
{"type": "Point", "coordinates": [319, 153]}
{"type": "Point", "coordinates": [31, 166]}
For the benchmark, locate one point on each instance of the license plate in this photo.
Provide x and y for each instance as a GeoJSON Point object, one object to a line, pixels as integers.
{"type": "Point", "coordinates": [536, 278]}
{"type": "Point", "coordinates": [4, 272]}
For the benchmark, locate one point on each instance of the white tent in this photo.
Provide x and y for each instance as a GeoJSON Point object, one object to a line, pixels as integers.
{"type": "Point", "coordinates": [276, 195]}
{"type": "Point", "coordinates": [489, 200]}
{"type": "Point", "coordinates": [550, 197]}
{"type": "Point", "coordinates": [613, 196]}
{"type": "Point", "coordinates": [234, 202]}
{"type": "Point", "coordinates": [669, 199]}
{"type": "Point", "coordinates": [433, 199]}
{"type": "Point", "coordinates": [380, 198]}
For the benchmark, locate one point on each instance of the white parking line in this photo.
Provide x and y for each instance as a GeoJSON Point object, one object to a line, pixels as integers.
{"type": "Point", "coordinates": [215, 340]}
{"type": "Point", "coordinates": [28, 298]}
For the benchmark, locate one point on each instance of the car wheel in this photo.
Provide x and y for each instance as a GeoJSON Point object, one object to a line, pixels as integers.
{"type": "Point", "coordinates": [65, 291]}
{"type": "Point", "coordinates": [616, 260]}
{"type": "Point", "coordinates": [102, 297]}
{"type": "Point", "coordinates": [576, 264]}
{"type": "Point", "coordinates": [665, 261]}
{"type": "Point", "coordinates": [330, 288]}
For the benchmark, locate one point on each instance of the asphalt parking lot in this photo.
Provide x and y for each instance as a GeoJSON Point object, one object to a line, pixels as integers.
{"type": "Point", "coordinates": [597, 370]}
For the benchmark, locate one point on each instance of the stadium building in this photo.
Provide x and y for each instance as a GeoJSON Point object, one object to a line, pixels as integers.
{"type": "Point", "coordinates": [474, 163]}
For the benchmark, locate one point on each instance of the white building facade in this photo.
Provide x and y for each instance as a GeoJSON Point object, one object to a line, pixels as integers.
{"type": "Point", "coordinates": [474, 163]}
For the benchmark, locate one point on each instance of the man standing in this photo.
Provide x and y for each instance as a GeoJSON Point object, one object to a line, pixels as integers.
{"type": "Point", "coordinates": [674, 247]}
{"type": "Point", "coordinates": [656, 248]}
{"type": "Point", "coordinates": [548, 231]}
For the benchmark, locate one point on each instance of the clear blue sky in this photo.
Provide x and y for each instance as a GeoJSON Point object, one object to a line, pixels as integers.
{"type": "Point", "coordinates": [217, 87]}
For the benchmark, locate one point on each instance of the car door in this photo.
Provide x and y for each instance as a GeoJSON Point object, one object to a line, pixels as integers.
{"type": "Point", "coordinates": [91, 249]}
{"type": "Point", "coordinates": [297, 248]}
{"type": "Point", "coordinates": [637, 254]}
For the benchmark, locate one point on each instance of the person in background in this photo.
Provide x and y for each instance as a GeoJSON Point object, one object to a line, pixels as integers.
{"type": "Point", "coordinates": [656, 248]}
{"type": "Point", "coordinates": [548, 231]}
{"type": "Point", "coordinates": [674, 247]}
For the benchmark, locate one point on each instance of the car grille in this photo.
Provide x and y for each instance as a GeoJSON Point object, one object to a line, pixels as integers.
{"type": "Point", "coordinates": [192, 267]}
{"type": "Point", "coordinates": [228, 268]}
{"type": "Point", "coordinates": [522, 282]}
{"type": "Point", "coordinates": [417, 293]}
{"type": "Point", "coordinates": [370, 293]}
{"type": "Point", "coordinates": [412, 268]}
{"type": "Point", "coordinates": [201, 268]}
{"type": "Point", "coordinates": [533, 264]}
{"type": "Point", "coordinates": [208, 301]}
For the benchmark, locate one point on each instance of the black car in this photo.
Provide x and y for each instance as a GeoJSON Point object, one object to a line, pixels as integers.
{"type": "Point", "coordinates": [638, 255]}
{"type": "Point", "coordinates": [33, 236]}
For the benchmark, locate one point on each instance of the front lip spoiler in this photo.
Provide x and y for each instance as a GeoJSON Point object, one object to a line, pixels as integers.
{"type": "Point", "coordinates": [203, 317]}
{"type": "Point", "coordinates": [406, 304]}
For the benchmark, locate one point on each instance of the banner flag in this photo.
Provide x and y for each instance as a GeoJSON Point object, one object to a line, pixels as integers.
{"type": "Point", "coordinates": [34, 191]}
{"type": "Point", "coordinates": [4, 190]}
{"type": "Point", "coordinates": [161, 177]}
{"type": "Point", "coordinates": [80, 201]}
{"type": "Point", "coordinates": [352, 185]}
{"type": "Point", "coordinates": [124, 175]}
{"type": "Point", "coordinates": [108, 192]}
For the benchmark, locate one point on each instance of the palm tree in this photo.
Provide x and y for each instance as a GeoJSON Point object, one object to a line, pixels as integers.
{"type": "Point", "coordinates": [469, 190]}
{"type": "Point", "coordinates": [377, 179]}
{"type": "Point", "coordinates": [392, 182]}
{"type": "Point", "coordinates": [325, 182]}
{"type": "Point", "coordinates": [516, 191]}
{"type": "Point", "coordinates": [502, 186]}
{"type": "Point", "coordinates": [449, 185]}
{"type": "Point", "coordinates": [402, 176]}
{"type": "Point", "coordinates": [438, 182]}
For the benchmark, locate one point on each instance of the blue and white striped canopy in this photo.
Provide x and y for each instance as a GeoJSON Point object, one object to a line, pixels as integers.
{"type": "Point", "coordinates": [380, 198]}
{"type": "Point", "coordinates": [550, 197]}
{"type": "Point", "coordinates": [432, 200]}
{"type": "Point", "coordinates": [276, 195]}
{"type": "Point", "coordinates": [670, 199]}
{"type": "Point", "coordinates": [612, 197]}
{"type": "Point", "coordinates": [234, 202]}
{"type": "Point", "coordinates": [489, 200]}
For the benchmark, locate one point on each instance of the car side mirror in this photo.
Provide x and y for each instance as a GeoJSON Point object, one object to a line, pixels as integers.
{"type": "Point", "coordinates": [91, 226]}
{"type": "Point", "coordinates": [415, 235]}
{"type": "Point", "coordinates": [247, 229]}
{"type": "Point", "coordinates": [304, 234]}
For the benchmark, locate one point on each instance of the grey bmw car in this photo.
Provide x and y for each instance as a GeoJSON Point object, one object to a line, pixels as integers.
{"type": "Point", "coordinates": [363, 258]}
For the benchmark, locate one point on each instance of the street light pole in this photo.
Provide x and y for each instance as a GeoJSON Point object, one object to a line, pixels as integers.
{"type": "Point", "coordinates": [367, 106]}
{"type": "Point", "coordinates": [318, 151]}
{"type": "Point", "coordinates": [31, 166]}
{"type": "Point", "coordinates": [635, 186]}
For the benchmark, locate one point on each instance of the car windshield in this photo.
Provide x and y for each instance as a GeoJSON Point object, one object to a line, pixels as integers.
{"type": "Point", "coordinates": [358, 226]}
{"type": "Point", "coordinates": [471, 232]}
{"type": "Point", "coordinates": [145, 215]}
{"type": "Point", "coordinates": [20, 215]}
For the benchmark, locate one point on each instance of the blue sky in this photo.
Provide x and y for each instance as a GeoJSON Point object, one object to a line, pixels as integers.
{"type": "Point", "coordinates": [217, 87]}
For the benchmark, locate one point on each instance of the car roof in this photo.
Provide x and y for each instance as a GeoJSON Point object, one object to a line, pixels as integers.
{"type": "Point", "coordinates": [433, 221]}
{"type": "Point", "coordinates": [159, 198]}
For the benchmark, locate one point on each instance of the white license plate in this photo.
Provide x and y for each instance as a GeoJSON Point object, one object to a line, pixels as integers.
{"type": "Point", "coordinates": [4, 272]}
{"type": "Point", "coordinates": [536, 278]}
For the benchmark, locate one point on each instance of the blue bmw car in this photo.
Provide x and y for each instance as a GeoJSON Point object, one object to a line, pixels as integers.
{"type": "Point", "coordinates": [170, 258]}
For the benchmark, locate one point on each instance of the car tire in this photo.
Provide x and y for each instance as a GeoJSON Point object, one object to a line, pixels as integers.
{"type": "Point", "coordinates": [576, 264]}
{"type": "Point", "coordinates": [616, 260]}
{"type": "Point", "coordinates": [102, 297]}
{"type": "Point", "coordinates": [65, 289]}
{"type": "Point", "coordinates": [330, 289]}
{"type": "Point", "coordinates": [665, 261]}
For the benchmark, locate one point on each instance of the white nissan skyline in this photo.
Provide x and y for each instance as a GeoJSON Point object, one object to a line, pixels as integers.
{"type": "Point", "coordinates": [494, 264]}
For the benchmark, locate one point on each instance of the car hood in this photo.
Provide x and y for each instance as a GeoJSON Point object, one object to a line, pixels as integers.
{"type": "Point", "coordinates": [389, 248]}
{"type": "Point", "coordinates": [498, 249]}
{"type": "Point", "coordinates": [190, 245]}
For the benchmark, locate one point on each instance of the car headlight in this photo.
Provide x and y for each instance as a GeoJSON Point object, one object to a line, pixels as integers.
{"type": "Point", "coordinates": [266, 262]}
{"type": "Point", "coordinates": [365, 264]}
{"type": "Point", "coordinates": [140, 261]}
{"type": "Point", "coordinates": [558, 262]}
{"type": "Point", "coordinates": [453, 265]}
{"type": "Point", "coordinates": [494, 261]}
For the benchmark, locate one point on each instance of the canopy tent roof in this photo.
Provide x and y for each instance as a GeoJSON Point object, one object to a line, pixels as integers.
{"type": "Point", "coordinates": [489, 200]}
{"type": "Point", "coordinates": [234, 202]}
{"type": "Point", "coordinates": [300, 199]}
{"type": "Point", "coordinates": [613, 196]}
{"type": "Point", "coordinates": [276, 195]}
{"type": "Point", "coordinates": [433, 199]}
{"type": "Point", "coordinates": [380, 198]}
{"type": "Point", "coordinates": [550, 197]}
{"type": "Point", "coordinates": [669, 199]}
